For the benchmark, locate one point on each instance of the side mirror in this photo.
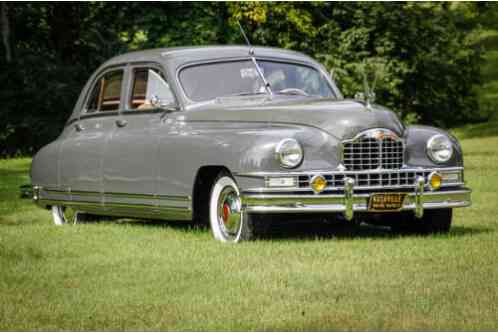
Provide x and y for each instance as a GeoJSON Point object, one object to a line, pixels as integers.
{"type": "Point", "coordinates": [155, 101]}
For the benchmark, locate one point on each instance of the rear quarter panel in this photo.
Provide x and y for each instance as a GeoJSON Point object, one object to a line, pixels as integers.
{"type": "Point", "coordinates": [45, 166]}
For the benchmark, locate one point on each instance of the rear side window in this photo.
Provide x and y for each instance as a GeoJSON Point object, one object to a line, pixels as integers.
{"type": "Point", "coordinates": [106, 94]}
{"type": "Point", "coordinates": [150, 89]}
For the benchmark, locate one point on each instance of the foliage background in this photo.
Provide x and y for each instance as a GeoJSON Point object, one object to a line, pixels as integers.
{"type": "Point", "coordinates": [428, 55]}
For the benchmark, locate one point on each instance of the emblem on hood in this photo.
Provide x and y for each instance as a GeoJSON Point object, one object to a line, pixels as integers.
{"type": "Point", "coordinates": [381, 134]}
{"type": "Point", "coordinates": [376, 133]}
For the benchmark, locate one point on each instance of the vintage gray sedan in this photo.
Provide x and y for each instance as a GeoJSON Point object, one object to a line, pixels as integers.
{"type": "Point", "coordinates": [229, 136]}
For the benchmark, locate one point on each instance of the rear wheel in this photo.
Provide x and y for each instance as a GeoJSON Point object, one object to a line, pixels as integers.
{"type": "Point", "coordinates": [67, 215]}
{"type": "Point", "coordinates": [64, 215]}
{"type": "Point", "coordinates": [226, 218]}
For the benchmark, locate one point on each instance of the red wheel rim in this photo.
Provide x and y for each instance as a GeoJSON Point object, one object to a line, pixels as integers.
{"type": "Point", "coordinates": [226, 212]}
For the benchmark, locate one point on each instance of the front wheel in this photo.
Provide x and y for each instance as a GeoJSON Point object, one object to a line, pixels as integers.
{"type": "Point", "coordinates": [434, 221]}
{"type": "Point", "coordinates": [228, 221]}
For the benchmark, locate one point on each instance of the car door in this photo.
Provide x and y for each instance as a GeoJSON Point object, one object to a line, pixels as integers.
{"type": "Point", "coordinates": [131, 167]}
{"type": "Point", "coordinates": [82, 150]}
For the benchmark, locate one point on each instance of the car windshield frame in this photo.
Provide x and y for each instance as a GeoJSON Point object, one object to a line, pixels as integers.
{"type": "Point", "coordinates": [335, 94]}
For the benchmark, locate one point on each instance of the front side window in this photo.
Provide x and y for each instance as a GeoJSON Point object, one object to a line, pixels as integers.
{"type": "Point", "coordinates": [208, 81]}
{"type": "Point", "coordinates": [150, 90]}
{"type": "Point", "coordinates": [106, 93]}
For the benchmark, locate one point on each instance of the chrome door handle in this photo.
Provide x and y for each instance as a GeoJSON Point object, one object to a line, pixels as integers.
{"type": "Point", "coordinates": [121, 123]}
{"type": "Point", "coordinates": [78, 128]}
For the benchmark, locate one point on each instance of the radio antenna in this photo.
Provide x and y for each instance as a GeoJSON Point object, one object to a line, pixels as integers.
{"type": "Point", "coordinates": [244, 34]}
{"type": "Point", "coordinates": [254, 61]}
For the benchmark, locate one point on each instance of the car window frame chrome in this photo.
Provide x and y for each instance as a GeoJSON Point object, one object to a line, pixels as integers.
{"type": "Point", "coordinates": [147, 65]}
{"type": "Point", "coordinates": [333, 88]}
{"type": "Point", "coordinates": [125, 92]}
{"type": "Point", "coordinates": [97, 77]}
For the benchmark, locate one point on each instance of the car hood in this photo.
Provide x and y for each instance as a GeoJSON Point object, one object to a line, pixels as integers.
{"type": "Point", "coordinates": [340, 118]}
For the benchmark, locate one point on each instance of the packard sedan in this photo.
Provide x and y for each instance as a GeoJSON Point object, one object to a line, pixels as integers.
{"type": "Point", "coordinates": [230, 135]}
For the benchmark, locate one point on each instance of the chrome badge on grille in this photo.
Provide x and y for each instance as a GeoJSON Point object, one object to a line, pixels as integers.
{"type": "Point", "coordinates": [373, 149]}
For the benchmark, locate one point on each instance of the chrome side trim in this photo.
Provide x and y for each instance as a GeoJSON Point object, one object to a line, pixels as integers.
{"type": "Point", "coordinates": [120, 195]}
{"type": "Point", "coordinates": [277, 203]}
{"type": "Point", "coordinates": [124, 209]}
{"type": "Point", "coordinates": [156, 206]}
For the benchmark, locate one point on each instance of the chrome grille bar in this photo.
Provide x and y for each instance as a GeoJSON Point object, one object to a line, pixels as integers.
{"type": "Point", "coordinates": [370, 180]}
{"type": "Point", "coordinates": [376, 180]}
{"type": "Point", "coordinates": [373, 149]}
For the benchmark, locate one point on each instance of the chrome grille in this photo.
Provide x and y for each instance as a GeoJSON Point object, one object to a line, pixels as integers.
{"type": "Point", "coordinates": [369, 180]}
{"type": "Point", "coordinates": [368, 152]}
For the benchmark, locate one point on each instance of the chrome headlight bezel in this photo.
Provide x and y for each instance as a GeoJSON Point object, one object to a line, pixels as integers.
{"type": "Point", "coordinates": [439, 148]}
{"type": "Point", "coordinates": [289, 153]}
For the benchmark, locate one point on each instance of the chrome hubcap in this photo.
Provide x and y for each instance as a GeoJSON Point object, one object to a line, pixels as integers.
{"type": "Point", "coordinates": [229, 212]}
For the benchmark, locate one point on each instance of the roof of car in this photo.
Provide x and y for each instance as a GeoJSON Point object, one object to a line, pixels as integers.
{"type": "Point", "coordinates": [181, 55]}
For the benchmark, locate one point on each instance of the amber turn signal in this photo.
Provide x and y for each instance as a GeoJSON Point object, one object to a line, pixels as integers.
{"type": "Point", "coordinates": [435, 180]}
{"type": "Point", "coordinates": [318, 183]}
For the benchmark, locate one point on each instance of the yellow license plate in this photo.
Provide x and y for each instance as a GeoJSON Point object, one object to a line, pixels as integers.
{"type": "Point", "coordinates": [386, 202]}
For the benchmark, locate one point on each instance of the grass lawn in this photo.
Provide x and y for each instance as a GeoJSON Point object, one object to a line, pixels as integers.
{"type": "Point", "coordinates": [161, 276]}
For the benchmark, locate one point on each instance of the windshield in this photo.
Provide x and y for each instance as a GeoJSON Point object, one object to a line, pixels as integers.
{"type": "Point", "coordinates": [208, 81]}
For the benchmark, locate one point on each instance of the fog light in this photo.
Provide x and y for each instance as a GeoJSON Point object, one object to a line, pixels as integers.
{"type": "Point", "coordinates": [318, 183]}
{"type": "Point", "coordinates": [435, 180]}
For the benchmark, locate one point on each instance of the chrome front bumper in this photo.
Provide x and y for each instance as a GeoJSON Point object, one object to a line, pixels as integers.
{"type": "Point", "coordinates": [348, 202]}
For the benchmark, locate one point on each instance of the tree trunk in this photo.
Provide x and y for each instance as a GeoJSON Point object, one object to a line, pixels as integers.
{"type": "Point", "coordinates": [6, 32]}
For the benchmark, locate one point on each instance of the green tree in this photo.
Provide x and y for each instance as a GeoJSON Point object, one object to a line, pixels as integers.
{"type": "Point", "coordinates": [426, 55]}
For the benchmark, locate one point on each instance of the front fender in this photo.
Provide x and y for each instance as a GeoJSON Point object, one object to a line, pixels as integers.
{"type": "Point", "coordinates": [320, 150]}
{"type": "Point", "coordinates": [240, 147]}
{"type": "Point", "coordinates": [416, 142]}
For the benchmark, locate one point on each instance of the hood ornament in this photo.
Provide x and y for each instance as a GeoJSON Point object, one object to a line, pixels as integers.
{"type": "Point", "coordinates": [370, 73]}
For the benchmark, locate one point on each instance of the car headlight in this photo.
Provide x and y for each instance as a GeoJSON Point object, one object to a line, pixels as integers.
{"type": "Point", "coordinates": [289, 153]}
{"type": "Point", "coordinates": [439, 148]}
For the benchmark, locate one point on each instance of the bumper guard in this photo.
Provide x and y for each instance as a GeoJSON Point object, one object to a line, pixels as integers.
{"type": "Point", "coordinates": [348, 203]}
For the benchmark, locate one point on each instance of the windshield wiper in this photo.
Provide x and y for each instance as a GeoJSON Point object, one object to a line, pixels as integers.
{"type": "Point", "coordinates": [292, 91]}
{"type": "Point", "coordinates": [296, 92]}
{"type": "Point", "coordinates": [246, 93]}
{"type": "Point", "coordinates": [242, 94]}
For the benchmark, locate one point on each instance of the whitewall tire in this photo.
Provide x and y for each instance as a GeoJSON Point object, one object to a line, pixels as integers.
{"type": "Point", "coordinates": [226, 217]}
{"type": "Point", "coordinates": [64, 215]}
